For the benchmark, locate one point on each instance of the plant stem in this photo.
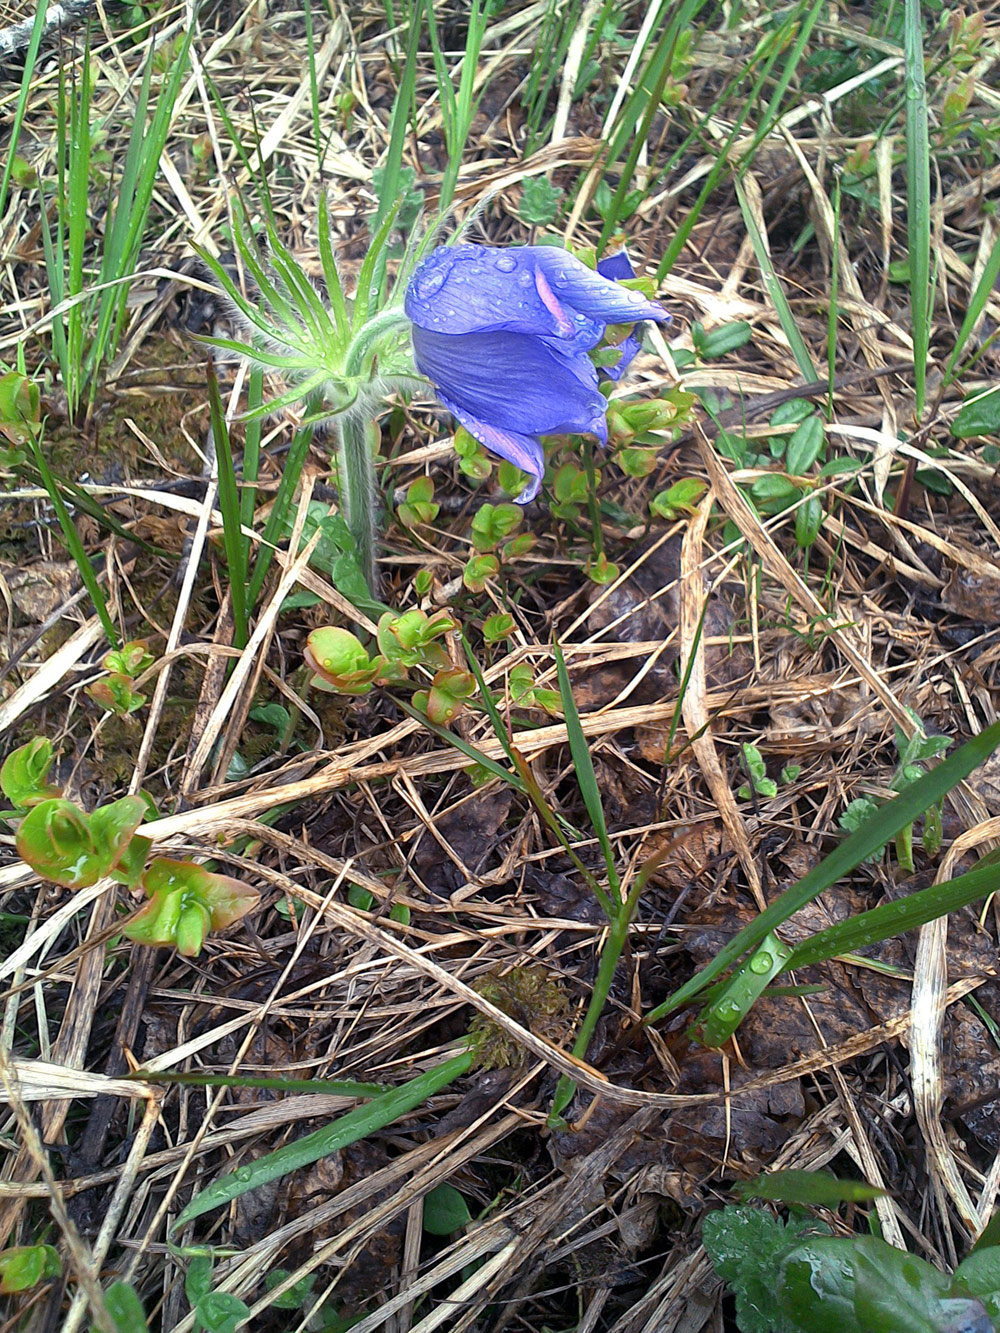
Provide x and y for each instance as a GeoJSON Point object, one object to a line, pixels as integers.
{"type": "Point", "coordinates": [357, 491]}
{"type": "Point", "coordinates": [610, 955]}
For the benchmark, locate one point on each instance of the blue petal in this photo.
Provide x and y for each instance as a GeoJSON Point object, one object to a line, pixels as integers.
{"type": "Point", "coordinates": [617, 267]}
{"type": "Point", "coordinates": [627, 351]}
{"type": "Point", "coordinates": [521, 450]}
{"type": "Point", "coordinates": [478, 288]}
{"type": "Point", "coordinates": [579, 288]}
{"type": "Point", "coordinates": [513, 381]}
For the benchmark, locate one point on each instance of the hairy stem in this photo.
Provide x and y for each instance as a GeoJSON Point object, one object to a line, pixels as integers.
{"type": "Point", "coordinates": [357, 491]}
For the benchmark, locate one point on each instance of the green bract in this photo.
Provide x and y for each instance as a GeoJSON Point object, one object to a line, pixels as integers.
{"type": "Point", "coordinates": [324, 346]}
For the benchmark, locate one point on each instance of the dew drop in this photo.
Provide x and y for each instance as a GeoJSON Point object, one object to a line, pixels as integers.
{"type": "Point", "coordinates": [430, 282]}
{"type": "Point", "coordinates": [761, 963]}
{"type": "Point", "coordinates": [243, 1174]}
{"type": "Point", "coordinates": [506, 263]}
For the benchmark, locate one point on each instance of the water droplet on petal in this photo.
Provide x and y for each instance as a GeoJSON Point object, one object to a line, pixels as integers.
{"type": "Point", "coordinates": [506, 263]}
{"type": "Point", "coordinates": [430, 281]}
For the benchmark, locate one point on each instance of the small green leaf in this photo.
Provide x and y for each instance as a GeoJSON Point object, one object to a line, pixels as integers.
{"type": "Point", "coordinates": [445, 1211]}
{"type": "Point", "coordinates": [361, 898]}
{"type": "Point", "coordinates": [198, 1279]}
{"type": "Point", "coordinates": [479, 570]}
{"type": "Point", "coordinates": [492, 523]}
{"type": "Point", "coordinates": [680, 498]}
{"type": "Point", "coordinates": [447, 695]}
{"type": "Point", "coordinates": [296, 1296]}
{"type": "Point", "coordinates": [805, 446]}
{"type": "Point", "coordinates": [186, 901]}
{"type": "Point", "coordinates": [721, 341]}
{"type": "Point", "coordinates": [808, 521]}
{"type": "Point", "coordinates": [497, 627]}
{"type": "Point", "coordinates": [791, 412]}
{"type": "Point", "coordinates": [978, 415]}
{"type": "Point", "coordinates": [125, 1308]}
{"type": "Point", "coordinates": [340, 660]}
{"type": "Point", "coordinates": [24, 1266]}
{"type": "Point", "coordinates": [221, 1312]}
{"type": "Point", "coordinates": [815, 1188]}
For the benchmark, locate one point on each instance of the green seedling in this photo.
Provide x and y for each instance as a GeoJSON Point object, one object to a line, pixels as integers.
{"type": "Point", "coordinates": [23, 774]}
{"type": "Point", "coordinates": [125, 1308]}
{"type": "Point", "coordinates": [407, 639]}
{"type": "Point", "coordinates": [24, 1266]}
{"type": "Point", "coordinates": [570, 491]}
{"type": "Point", "coordinates": [186, 902]}
{"type": "Point", "coordinates": [20, 408]}
{"type": "Point", "coordinates": [799, 1278]}
{"type": "Point", "coordinates": [493, 523]}
{"type": "Point", "coordinates": [757, 769]}
{"type": "Point", "coordinates": [637, 460]}
{"type": "Point", "coordinates": [64, 844]}
{"type": "Point", "coordinates": [472, 458]}
{"type": "Point", "coordinates": [497, 627]}
{"type": "Point", "coordinates": [524, 693]}
{"type": "Point", "coordinates": [114, 692]}
{"type": "Point", "coordinates": [412, 638]}
{"type": "Point", "coordinates": [296, 1295]}
{"type": "Point", "coordinates": [600, 570]}
{"type": "Point", "coordinates": [340, 661]}
{"type": "Point", "coordinates": [913, 753]}
{"type": "Point", "coordinates": [510, 478]}
{"type": "Point", "coordinates": [214, 1311]}
{"type": "Point", "coordinates": [479, 570]}
{"type": "Point", "coordinates": [446, 698]}
{"type": "Point", "coordinates": [679, 500]}
{"type": "Point", "coordinates": [445, 1211]}
{"type": "Point", "coordinates": [721, 341]}
{"type": "Point", "coordinates": [632, 421]}
{"type": "Point", "coordinates": [418, 508]}
{"type": "Point", "coordinates": [540, 201]}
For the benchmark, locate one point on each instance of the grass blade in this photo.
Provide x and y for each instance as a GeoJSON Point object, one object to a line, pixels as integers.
{"type": "Point", "coordinates": [355, 1125]}
{"type": "Point", "coordinates": [30, 56]}
{"type": "Point", "coordinates": [585, 776]}
{"type": "Point", "coordinates": [977, 304]}
{"type": "Point", "coordinates": [918, 196]}
{"type": "Point", "coordinates": [229, 504]}
{"type": "Point", "coordinates": [75, 545]}
{"type": "Point", "coordinates": [888, 919]}
{"type": "Point", "coordinates": [779, 300]}
{"type": "Point", "coordinates": [275, 525]}
{"type": "Point", "coordinates": [870, 837]}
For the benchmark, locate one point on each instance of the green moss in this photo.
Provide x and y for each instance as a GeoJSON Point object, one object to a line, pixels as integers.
{"type": "Point", "coordinates": [533, 997]}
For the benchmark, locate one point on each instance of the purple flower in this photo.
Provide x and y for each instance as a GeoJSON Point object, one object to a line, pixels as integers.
{"type": "Point", "coordinates": [504, 337]}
